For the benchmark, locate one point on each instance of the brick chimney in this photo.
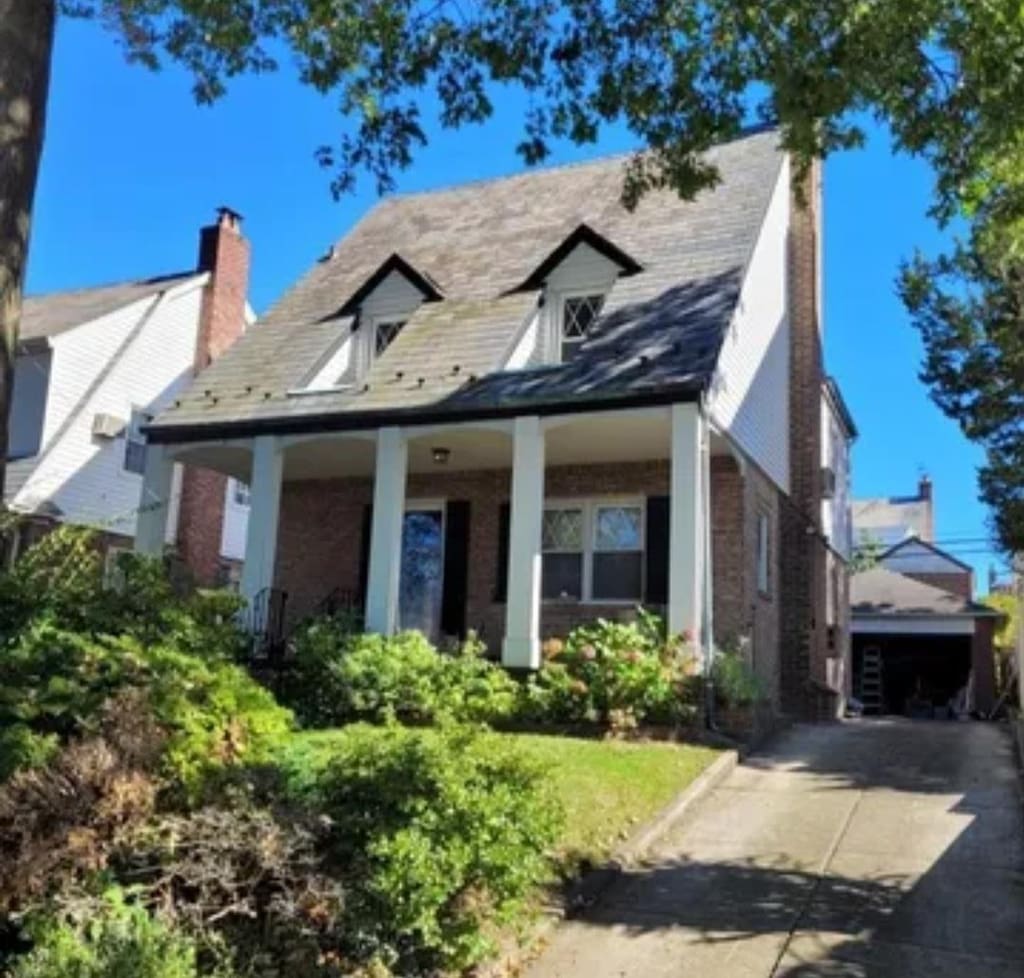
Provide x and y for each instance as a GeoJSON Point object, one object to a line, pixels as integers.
{"type": "Point", "coordinates": [224, 254]}
{"type": "Point", "coordinates": [924, 493]}
{"type": "Point", "coordinates": [803, 594]}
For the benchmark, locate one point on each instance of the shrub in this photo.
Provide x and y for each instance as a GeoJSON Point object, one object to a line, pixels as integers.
{"type": "Point", "coordinates": [60, 581]}
{"type": "Point", "coordinates": [444, 833]}
{"type": "Point", "coordinates": [617, 674]}
{"type": "Point", "coordinates": [118, 940]}
{"type": "Point", "coordinates": [58, 823]}
{"type": "Point", "coordinates": [246, 882]}
{"type": "Point", "coordinates": [55, 683]}
{"type": "Point", "coordinates": [339, 677]}
{"type": "Point", "coordinates": [735, 683]}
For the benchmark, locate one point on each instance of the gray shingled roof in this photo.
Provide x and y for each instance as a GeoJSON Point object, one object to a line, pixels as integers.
{"type": "Point", "coordinates": [884, 592]}
{"type": "Point", "coordinates": [660, 331]}
{"type": "Point", "coordinates": [53, 313]}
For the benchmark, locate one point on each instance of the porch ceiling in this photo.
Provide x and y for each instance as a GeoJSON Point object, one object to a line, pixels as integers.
{"type": "Point", "coordinates": [608, 437]}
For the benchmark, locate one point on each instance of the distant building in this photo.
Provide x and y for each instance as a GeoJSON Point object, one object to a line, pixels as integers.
{"type": "Point", "coordinates": [891, 519]}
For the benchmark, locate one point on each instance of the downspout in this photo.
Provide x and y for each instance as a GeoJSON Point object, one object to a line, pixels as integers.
{"type": "Point", "coordinates": [707, 635]}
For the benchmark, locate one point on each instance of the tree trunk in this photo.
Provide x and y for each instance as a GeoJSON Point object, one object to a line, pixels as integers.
{"type": "Point", "coordinates": [26, 44]}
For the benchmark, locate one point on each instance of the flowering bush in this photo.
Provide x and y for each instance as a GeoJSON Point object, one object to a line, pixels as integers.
{"type": "Point", "coordinates": [618, 674]}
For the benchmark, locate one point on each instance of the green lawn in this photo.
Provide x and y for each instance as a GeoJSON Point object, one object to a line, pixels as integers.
{"type": "Point", "coordinates": [607, 787]}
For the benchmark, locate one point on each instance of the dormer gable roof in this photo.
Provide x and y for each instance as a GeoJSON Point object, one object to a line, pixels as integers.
{"type": "Point", "coordinates": [916, 541]}
{"type": "Point", "coordinates": [394, 263]}
{"type": "Point", "coordinates": [582, 235]}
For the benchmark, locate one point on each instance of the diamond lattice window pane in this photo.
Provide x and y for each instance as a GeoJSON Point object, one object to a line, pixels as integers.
{"type": "Point", "coordinates": [578, 314]}
{"type": "Point", "coordinates": [386, 334]}
{"type": "Point", "coordinates": [617, 528]}
{"type": "Point", "coordinates": [562, 530]}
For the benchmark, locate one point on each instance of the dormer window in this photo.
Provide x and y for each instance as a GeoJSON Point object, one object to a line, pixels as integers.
{"type": "Point", "coordinates": [578, 315]}
{"type": "Point", "coordinates": [385, 333]}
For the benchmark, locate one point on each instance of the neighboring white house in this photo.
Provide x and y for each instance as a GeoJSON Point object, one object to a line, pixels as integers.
{"type": "Point", "coordinates": [92, 367]}
{"type": "Point", "coordinates": [887, 520]}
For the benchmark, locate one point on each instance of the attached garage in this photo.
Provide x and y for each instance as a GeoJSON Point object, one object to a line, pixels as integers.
{"type": "Point", "coordinates": [917, 647]}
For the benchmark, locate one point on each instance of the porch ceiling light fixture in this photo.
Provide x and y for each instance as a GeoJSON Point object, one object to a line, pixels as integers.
{"type": "Point", "coordinates": [440, 455]}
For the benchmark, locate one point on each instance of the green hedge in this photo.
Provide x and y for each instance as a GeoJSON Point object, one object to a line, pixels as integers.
{"type": "Point", "coordinates": [338, 677]}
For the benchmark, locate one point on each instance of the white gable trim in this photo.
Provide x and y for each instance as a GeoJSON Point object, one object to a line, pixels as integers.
{"type": "Point", "coordinates": [904, 625]}
{"type": "Point", "coordinates": [749, 398]}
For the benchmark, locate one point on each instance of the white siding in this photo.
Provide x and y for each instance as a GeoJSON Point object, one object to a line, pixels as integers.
{"type": "Point", "coordinates": [836, 517]}
{"type": "Point", "coordinates": [28, 404]}
{"type": "Point", "coordinates": [527, 346]}
{"type": "Point", "coordinates": [750, 393]}
{"type": "Point", "coordinates": [336, 366]}
{"type": "Point", "coordinates": [84, 476]}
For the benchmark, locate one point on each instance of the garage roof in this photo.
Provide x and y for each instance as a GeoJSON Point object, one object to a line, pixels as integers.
{"type": "Point", "coordinates": [884, 592]}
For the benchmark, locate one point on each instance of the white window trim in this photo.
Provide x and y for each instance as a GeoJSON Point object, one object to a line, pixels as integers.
{"type": "Point", "coordinates": [146, 417]}
{"type": "Point", "coordinates": [555, 302]}
{"type": "Point", "coordinates": [589, 506]}
{"type": "Point", "coordinates": [764, 549]}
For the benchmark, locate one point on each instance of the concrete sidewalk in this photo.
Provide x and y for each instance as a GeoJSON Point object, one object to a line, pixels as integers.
{"type": "Point", "coordinates": [870, 849]}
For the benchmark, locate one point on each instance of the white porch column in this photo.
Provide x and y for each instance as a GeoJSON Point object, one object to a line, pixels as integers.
{"type": "Point", "coordinates": [264, 507]}
{"type": "Point", "coordinates": [154, 501]}
{"type": "Point", "coordinates": [521, 648]}
{"type": "Point", "coordinates": [687, 541]}
{"type": "Point", "coordinates": [386, 532]}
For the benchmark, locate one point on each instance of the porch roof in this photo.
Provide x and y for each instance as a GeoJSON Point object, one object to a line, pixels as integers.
{"type": "Point", "coordinates": [658, 337]}
{"type": "Point", "coordinates": [881, 592]}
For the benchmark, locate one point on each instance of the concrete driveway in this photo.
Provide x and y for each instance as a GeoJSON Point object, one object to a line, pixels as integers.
{"type": "Point", "coordinates": [870, 849]}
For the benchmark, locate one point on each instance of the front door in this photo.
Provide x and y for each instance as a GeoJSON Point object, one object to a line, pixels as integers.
{"type": "Point", "coordinates": [422, 580]}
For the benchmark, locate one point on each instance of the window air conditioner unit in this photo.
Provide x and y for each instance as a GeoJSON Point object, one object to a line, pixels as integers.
{"type": "Point", "coordinates": [828, 483]}
{"type": "Point", "coordinates": [107, 426]}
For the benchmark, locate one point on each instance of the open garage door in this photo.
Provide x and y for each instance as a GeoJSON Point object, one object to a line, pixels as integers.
{"type": "Point", "coordinates": [918, 675]}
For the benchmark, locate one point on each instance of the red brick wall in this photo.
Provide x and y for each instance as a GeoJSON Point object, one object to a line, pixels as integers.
{"type": "Point", "coordinates": [321, 525]}
{"type": "Point", "coordinates": [957, 583]}
{"type": "Point", "coordinates": [983, 664]}
{"type": "Point", "coordinates": [224, 253]}
{"type": "Point", "coordinates": [804, 584]}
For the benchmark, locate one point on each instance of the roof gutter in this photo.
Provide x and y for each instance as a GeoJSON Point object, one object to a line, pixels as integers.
{"type": "Point", "coordinates": [336, 421]}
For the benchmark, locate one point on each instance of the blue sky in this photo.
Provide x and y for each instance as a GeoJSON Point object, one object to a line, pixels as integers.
{"type": "Point", "coordinates": [133, 167]}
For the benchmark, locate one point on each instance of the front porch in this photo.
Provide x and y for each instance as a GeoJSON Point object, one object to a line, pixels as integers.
{"type": "Point", "coordinates": [517, 529]}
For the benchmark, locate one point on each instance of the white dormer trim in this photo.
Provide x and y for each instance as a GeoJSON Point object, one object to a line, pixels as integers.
{"type": "Point", "coordinates": [584, 272]}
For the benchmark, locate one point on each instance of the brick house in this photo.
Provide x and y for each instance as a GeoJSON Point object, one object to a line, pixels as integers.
{"type": "Point", "coordinates": [92, 367]}
{"type": "Point", "coordinates": [513, 406]}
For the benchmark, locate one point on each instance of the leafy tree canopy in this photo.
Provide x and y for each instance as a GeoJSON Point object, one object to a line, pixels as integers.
{"type": "Point", "coordinates": [944, 76]}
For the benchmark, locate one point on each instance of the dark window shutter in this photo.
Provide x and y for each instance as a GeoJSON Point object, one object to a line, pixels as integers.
{"type": "Point", "coordinates": [364, 554]}
{"type": "Point", "coordinates": [456, 568]}
{"type": "Point", "coordinates": [504, 529]}
{"type": "Point", "coordinates": [657, 550]}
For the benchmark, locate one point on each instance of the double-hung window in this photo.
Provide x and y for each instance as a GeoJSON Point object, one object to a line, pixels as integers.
{"type": "Point", "coordinates": [618, 558]}
{"type": "Point", "coordinates": [135, 443]}
{"type": "Point", "coordinates": [239, 492]}
{"type": "Point", "coordinates": [593, 551]}
{"type": "Point", "coordinates": [578, 315]}
{"type": "Point", "coordinates": [562, 540]}
{"type": "Point", "coordinates": [764, 554]}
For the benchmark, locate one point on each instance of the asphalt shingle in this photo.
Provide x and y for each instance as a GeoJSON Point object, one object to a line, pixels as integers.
{"type": "Point", "coordinates": [660, 329]}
